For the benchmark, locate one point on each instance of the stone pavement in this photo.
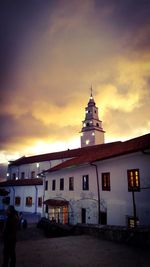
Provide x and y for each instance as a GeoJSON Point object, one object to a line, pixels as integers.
{"type": "Point", "coordinates": [33, 249]}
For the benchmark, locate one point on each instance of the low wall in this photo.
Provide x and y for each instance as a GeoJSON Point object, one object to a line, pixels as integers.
{"type": "Point", "coordinates": [137, 236]}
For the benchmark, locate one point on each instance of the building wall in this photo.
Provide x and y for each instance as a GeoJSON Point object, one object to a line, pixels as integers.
{"type": "Point", "coordinates": [26, 191]}
{"type": "Point", "coordinates": [117, 202]}
{"type": "Point", "coordinates": [78, 198]}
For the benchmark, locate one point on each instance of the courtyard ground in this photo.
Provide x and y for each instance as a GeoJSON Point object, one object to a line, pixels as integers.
{"type": "Point", "coordinates": [33, 249]}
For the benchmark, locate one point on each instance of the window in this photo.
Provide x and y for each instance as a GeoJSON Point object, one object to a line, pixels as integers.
{"type": "Point", "coordinates": [17, 201]}
{"type": "Point", "coordinates": [33, 174]}
{"type": "Point", "coordinates": [85, 182]}
{"type": "Point", "coordinates": [97, 124]}
{"type": "Point", "coordinates": [53, 185]}
{"type": "Point", "coordinates": [22, 175]}
{"type": "Point", "coordinates": [46, 185]}
{"type": "Point", "coordinates": [71, 183]}
{"type": "Point", "coordinates": [28, 201]}
{"type": "Point", "coordinates": [87, 124]}
{"type": "Point", "coordinates": [14, 176]}
{"type": "Point", "coordinates": [106, 181]}
{"type": "Point", "coordinates": [62, 184]}
{"type": "Point", "coordinates": [6, 200]}
{"type": "Point", "coordinates": [133, 180]}
{"type": "Point", "coordinates": [132, 221]}
{"type": "Point", "coordinates": [39, 201]}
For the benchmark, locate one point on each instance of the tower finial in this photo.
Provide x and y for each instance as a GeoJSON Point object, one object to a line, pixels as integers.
{"type": "Point", "coordinates": [91, 97]}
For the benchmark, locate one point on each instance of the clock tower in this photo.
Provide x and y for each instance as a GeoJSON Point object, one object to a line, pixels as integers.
{"type": "Point", "coordinates": [92, 132]}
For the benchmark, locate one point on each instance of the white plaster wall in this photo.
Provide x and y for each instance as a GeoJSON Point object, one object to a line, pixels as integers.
{"type": "Point", "coordinates": [119, 201]}
{"type": "Point", "coordinates": [23, 192]}
{"type": "Point", "coordinates": [78, 198]}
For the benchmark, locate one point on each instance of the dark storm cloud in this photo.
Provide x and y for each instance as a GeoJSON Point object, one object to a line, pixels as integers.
{"type": "Point", "coordinates": [131, 20]}
{"type": "Point", "coordinates": [26, 128]}
{"type": "Point", "coordinates": [15, 128]}
{"type": "Point", "coordinates": [17, 18]}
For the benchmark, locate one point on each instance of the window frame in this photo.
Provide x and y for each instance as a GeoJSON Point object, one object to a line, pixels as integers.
{"type": "Point", "coordinates": [61, 187]}
{"type": "Point", "coordinates": [29, 201]}
{"type": "Point", "coordinates": [71, 183]}
{"type": "Point", "coordinates": [22, 175]}
{"type": "Point", "coordinates": [46, 185]}
{"type": "Point", "coordinates": [133, 177]}
{"type": "Point", "coordinates": [53, 185]}
{"type": "Point", "coordinates": [106, 181]}
{"type": "Point", "coordinates": [85, 183]}
{"type": "Point", "coordinates": [32, 174]}
{"type": "Point", "coordinates": [39, 202]}
{"type": "Point", "coordinates": [17, 201]}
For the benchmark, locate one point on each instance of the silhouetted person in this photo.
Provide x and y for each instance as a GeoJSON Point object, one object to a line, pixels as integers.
{"type": "Point", "coordinates": [9, 238]}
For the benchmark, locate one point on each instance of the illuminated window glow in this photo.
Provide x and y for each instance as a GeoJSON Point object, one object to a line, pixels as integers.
{"type": "Point", "coordinates": [106, 181]}
{"type": "Point", "coordinates": [87, 141]}
{"type": "Point", "coordinates": [93, 133]}
{"type": "Point", "coordinates": [37, 165]}
{"type": "Point", "coordinates": [133, 180]}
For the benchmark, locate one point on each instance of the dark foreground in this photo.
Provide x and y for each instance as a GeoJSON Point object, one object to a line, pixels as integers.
{"type": "Point", "coordinates": [33, 249]}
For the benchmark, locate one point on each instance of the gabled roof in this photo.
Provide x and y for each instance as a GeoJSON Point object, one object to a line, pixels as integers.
{"type": "Point", "coordinates": [23, 182]}
{"type": "Point", "coordinates": [106, 151]}
{"type": "Point", "coordinates": [70, 153]}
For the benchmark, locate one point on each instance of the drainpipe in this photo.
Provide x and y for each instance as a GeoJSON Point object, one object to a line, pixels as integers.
{"type": "Point", "coordinates": [36, 195]}
{"type": "Point", "coordinates": [98, 192]}
{"type": "Point", "coordinates": [13, 195]}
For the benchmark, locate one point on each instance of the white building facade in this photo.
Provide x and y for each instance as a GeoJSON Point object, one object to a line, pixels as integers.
{"type": "Point", "coordinates": [99, 183]}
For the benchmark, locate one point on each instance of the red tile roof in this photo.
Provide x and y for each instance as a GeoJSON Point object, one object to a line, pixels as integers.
{"type": "Point", "coordinates": [23, 182]}
{"type": "Point", "coordinates": [47, 157]}
{"type": "Point", "coordinates": [106, 151]}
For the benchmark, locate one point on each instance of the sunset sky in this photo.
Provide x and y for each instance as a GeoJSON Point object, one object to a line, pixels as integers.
{"type": "Point", "coordinates": [51, 51]}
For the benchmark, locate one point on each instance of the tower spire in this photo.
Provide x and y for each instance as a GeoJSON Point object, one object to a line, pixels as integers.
{"type": "Point", "coordinates": [91, 89]}
{"type": "Point", "coordinates": [92, 132]}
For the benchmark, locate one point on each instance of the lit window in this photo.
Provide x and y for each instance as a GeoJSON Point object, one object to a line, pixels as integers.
{"type": "Point", "coordinates": [28, 201]}
{"type": "Point", "coordinates": [17, 201]}
{"type": "Point", "coordinates": [71, 183]}
{"type": "Point", "coordinates": [132, 221]}
{"type": "Point", "coordinates": [7, 174]}
{"type": "Point", "coordinates": [133, 180]}
{"type": "Point", "coordinates": [87, 141]}
{"type": "Point", "coordinates": [85, 182]}
{"type": "Point", "coordinates": [106, 181]}
{"type": "Point", "coordinates": [37, 165]}
{"type": "Point", "coordinates": [91, 122]}
{"type": "Point", "coordinates": [84, 124]}
{"type": "Point", "coordinates": [93, 133]}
